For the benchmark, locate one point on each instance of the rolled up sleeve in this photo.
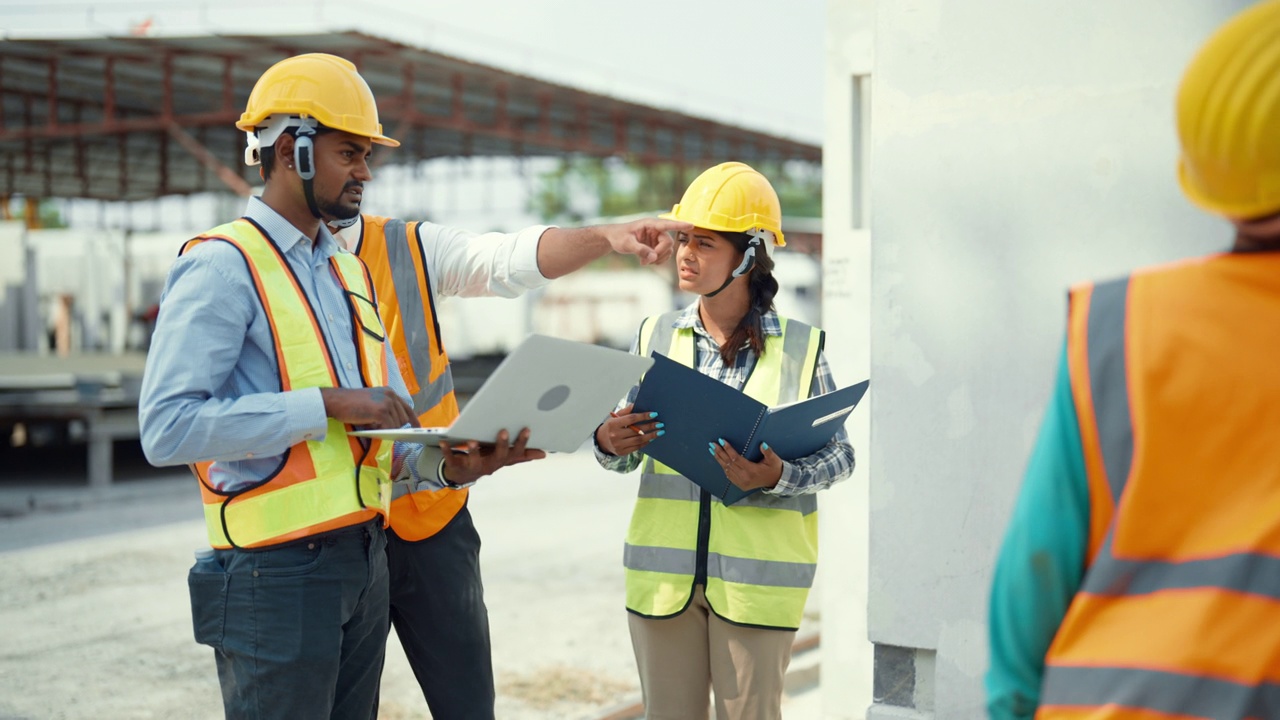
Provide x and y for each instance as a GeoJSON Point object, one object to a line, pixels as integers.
{"type": "Point", "coordinates": [482, 265]}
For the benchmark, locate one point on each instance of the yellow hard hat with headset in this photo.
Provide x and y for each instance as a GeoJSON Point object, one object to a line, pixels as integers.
{"type": "Point", "coordinates": [734, 197]}
{"type": "Point", "coordinates": [303, 92]}
{"type": "Point", "coordinates": [731, 197]}
{"type": "Point", "coordinates": [1229, 117]}
{"type": "Point", "coordinates": [324, 87]}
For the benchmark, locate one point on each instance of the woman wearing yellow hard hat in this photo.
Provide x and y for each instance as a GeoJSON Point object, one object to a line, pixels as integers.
{"type": "Point", "coordinates": [716, 592]}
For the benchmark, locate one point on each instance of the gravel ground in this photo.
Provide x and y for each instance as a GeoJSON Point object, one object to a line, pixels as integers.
{"type": "Point", "coordinates": [99, 627]}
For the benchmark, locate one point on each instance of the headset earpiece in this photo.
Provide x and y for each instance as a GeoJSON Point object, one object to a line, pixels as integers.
{"type": "Point", "coordinates": [748, 261]}
{"type": "Point", "coordinates": [304, 153]}
{"type": "Point", "coordinates": [748, 257]}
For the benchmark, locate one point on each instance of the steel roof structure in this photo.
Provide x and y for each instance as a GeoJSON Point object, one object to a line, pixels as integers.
{"type": "Point", "coordinates": [133, 118]}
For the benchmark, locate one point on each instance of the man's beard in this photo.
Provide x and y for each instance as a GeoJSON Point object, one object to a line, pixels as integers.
{"type": "Point", "coordinates": [336, 208]}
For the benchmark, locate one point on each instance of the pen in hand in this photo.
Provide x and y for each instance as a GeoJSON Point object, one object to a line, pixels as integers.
{"type": "Point", "coordinates": [629, 427]}
{"type": "Point", "coordinates": [625, 432]}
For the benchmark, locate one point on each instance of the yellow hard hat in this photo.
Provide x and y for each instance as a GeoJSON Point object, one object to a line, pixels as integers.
{"type": "Point", "coordinates": [731, 197]}
{"type": "Point", "coordinates": [320, 86]}
{"type": "Point", "coordinates": [1229, 117]}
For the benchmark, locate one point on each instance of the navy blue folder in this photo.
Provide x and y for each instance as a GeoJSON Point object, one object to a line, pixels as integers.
{"type": "Point", "coordinates": [698, 409]}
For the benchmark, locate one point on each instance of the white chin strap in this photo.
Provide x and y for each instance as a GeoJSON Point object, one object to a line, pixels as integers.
{"type": "Point", "coordinates": [266, 134]}
{"type": "Point", "coordinates": [340, 224]}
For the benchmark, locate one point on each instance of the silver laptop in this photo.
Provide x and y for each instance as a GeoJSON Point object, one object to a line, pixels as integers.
{"type": "Point", "coordinates": [559, 389]}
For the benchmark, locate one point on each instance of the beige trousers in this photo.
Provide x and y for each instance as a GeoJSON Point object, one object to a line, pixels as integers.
{"type": "Point", "coordinates": [681, 658]}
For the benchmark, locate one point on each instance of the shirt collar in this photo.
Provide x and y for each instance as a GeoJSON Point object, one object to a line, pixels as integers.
{"type": "Point", "coordinates": [690, 319]}
{"type": "Point", "coordinates": [283, 233]}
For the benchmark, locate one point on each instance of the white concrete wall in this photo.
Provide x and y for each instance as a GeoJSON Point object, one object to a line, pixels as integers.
{"type": "Point", "coordinates": [846, 299]}
{"type": "Point", "coordinates": [1016, 148]}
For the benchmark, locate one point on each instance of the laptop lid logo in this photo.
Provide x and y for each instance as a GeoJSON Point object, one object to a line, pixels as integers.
{"type": "Point", "coordinates": [553, 398]}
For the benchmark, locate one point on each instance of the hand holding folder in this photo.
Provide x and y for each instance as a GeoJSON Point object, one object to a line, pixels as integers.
{"type": "Point", "coordinates": [698, 409]}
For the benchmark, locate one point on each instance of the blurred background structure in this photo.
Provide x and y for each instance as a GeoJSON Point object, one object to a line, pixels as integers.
{"type": "Point", "coordinates": [99, 135]}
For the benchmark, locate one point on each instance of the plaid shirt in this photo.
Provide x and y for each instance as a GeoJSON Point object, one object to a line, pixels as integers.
{"type": "Point", "coordinates": [812, 473]}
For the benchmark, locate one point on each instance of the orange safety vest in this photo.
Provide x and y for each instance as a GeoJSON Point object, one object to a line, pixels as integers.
{"type": "Point", "coordinates": [1174, 379]}
{"type": "Point", "coordinates": [392, 249]}
{"type": "Point", "coordinates": [312, 490]}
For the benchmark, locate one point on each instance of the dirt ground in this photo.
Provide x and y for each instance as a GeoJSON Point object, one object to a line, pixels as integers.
{"type": "Point", "coordinates": [99, 628]}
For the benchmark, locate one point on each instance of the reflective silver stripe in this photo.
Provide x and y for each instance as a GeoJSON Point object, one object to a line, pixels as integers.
{"type": "Point", "coordinates": [411, 306]}
{"type": "Point", "coordinates": [399, 489]}
{"type": "Point", "coordinates": [1166, 692]}
{"type": "Point", "coordinates": [730, 569]}
{"type": "Point", "coordinates": [804, 504]}
{"type": "Point", "coordinates": [659, 559]}
{"type": "Point", "coordinates": [760, 572]}
{"type": "Point", "coordinates": [1108, 382]}
{"type": "Point", "coordinates": [662, 334]}
{"type": "Point", "coordinates": [677, 487]}
{"type": "Point", "coordinates": [431, 394]}
{"type": "Point", "coordinates": [795, 347]}
{"type": "Point", "coordinates": [667, 487]}
{"type": "Point", "coordinates": [1244, 572]}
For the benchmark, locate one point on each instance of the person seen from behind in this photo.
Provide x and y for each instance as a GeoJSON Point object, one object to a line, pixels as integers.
{"type": "Point", "coordinates": [1137, 578]}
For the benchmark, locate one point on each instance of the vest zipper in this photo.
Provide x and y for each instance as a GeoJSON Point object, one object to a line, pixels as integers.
{"type": "Point", "coordinates": [704, 537]}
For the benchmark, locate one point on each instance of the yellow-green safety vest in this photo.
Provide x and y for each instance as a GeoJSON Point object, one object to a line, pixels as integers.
{"type": "Point", "coordinates": [320, 485]}
{"type": "Point", "coordinates": [761, 553]}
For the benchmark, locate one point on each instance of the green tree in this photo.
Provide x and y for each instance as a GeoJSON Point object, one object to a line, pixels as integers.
{"type": "Point", "coordinates": [582, 188]}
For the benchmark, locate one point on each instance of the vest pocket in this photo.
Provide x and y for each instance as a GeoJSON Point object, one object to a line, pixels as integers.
{"type": "Point", "coordinates": [208, 583]}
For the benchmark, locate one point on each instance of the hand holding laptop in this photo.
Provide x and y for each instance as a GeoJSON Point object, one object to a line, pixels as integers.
{"type": "Point", "coordinates": [467, 462]}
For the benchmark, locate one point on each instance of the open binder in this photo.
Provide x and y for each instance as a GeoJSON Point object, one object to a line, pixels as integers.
{"type": "Point", "coordinates": [698, 409]}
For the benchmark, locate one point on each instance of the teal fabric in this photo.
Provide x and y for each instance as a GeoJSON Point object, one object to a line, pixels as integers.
{"type": "Point", "coordinates": [1042, 560]}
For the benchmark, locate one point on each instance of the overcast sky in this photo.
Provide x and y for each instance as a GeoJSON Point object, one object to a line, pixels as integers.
{"type": "Point", "coordinates": [758, 63]}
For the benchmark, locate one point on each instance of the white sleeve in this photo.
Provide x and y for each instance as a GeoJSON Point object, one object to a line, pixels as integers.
{"type": "Point", "coordinates": [494, 264]}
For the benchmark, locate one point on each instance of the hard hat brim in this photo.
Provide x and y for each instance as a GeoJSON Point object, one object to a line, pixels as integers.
{"type": "Point", "coordinates": [733, 227]}
{"type": "Point", "coordinates": [1245, 210]}
{"type": "Point", "coordinates": [249, 123]}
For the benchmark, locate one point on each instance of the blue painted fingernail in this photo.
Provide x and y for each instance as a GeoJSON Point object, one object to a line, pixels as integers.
{"type": "Point", "coordinates": [764, 445]}
{"type": "Point", "coordinates": [660, 425]}
{"type": "Point", "coordinates": [661, 433]}
{"type": "Point", "coordinates": [721, 442]}
{"type": "Point", "coordinates": [711, 450]}
{"type": "Point", "coordinates": [712, 446]}
{"type": "Point", "coordinates": [653, 415]}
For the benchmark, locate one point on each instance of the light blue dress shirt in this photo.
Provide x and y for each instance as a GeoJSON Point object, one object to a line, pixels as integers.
{"type": "Point", "coordinates": [211, 390]}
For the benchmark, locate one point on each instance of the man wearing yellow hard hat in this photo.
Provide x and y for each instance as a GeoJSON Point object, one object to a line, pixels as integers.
{"type": "Point", "coordinates": [715, 592]}
{"type": "Point", "coordinates": [1138, 576]}
{"type": "Point", "coordinates": [268, 349]}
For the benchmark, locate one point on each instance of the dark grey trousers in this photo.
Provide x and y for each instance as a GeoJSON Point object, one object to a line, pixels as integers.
{"type": "Point", "coordinates": [438, 611]}
{"type": "Point", "coordinates": [298, 631]}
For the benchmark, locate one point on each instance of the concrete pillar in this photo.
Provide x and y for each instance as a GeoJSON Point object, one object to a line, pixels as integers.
{"type": "Point", "coordinates": [846, 275]}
